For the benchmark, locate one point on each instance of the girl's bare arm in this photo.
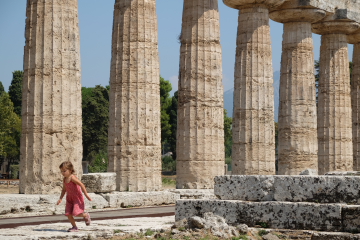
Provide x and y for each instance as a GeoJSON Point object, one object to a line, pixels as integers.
{"type": "Point", "coordinates": [63, 191]}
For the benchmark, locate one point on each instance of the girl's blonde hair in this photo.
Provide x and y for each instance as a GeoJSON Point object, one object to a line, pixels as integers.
{"type": "Point", "coordinates": [67, 165]}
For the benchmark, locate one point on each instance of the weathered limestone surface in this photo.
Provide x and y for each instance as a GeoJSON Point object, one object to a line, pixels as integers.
{"type": "Point", "coordinates": [253, 149]}
{"type": "Point", "coordinates": [17, 205]}
{"type": "Point", "coordinates": [245, 187]}
{"type": "Point", "coordinates": [30, 205]}
{"type": "Point", "coordinates": [355, 98]}
{"type": "Point", "coordinates": [99, 182]}
{"type": "Point", "coordinates": [134, 129]}
{"type": "Point", "coordinates": [51, 101]}
{"type": "Point", "coordinates": [343, 173]}
{"type": "Point", "coordinates": [136, 199]}
{"type": "Point", "coordinates": [297, 149]}
{"type": "Point", "coordinates": [195, 193]}
{"type": "Point", "coordinates": [200, 129]}
{"type": "Point", "coordinates": [334, 102]}
{"type": "Point", "coordinates": [318, 189]}
{"type": "Point", "coordinates": [311, 216]}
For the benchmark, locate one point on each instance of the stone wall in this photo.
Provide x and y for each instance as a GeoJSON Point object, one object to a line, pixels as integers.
{"type": "Point", "coordinates": [325, 203]}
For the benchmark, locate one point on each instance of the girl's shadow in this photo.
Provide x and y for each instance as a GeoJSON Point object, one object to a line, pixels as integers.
{"type": "Point", "coordinates": [50, 230]}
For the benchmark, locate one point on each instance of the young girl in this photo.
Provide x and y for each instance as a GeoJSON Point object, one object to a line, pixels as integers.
{"type": "Point", "coordinates": [72, 186]}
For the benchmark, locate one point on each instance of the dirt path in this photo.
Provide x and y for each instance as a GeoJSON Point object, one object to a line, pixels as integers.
{"type": "Point", "coordinates": [4, 189]}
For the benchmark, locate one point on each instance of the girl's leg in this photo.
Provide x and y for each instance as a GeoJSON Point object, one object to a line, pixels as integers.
{"type": "Point", "coordinates": [86, 217]}
{"type": "Point", "coordinates": [72, 220]}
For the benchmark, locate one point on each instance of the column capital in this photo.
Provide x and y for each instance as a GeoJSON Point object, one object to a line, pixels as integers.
{"type": "Point", "coordinates": [297, 15]}
{"type": "Point", "coordinates": [337, 27]}
{"type": "Point", "coordinates": [354, 37]}
{"type": "Point", "coordinates": [241, 4]}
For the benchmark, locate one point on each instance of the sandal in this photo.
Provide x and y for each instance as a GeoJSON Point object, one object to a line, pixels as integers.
{"type": "Point", "coordinates": [87, 219]}
{"type": "Point", "coordinates": [73, 229]}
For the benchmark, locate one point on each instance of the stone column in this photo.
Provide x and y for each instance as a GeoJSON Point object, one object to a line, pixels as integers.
{"type": "Point", "coordinates": [134, 129]}
{"type": "Point", "coordinates": [253, 149]}
{"type": "Point", "coordinates": [200, 130]}
{"type": "Point", "coordinates": [334, 102]}
{"type": "Point", "coordinates": [355, 98]}
{"type": "Point", "coordinates": [51, 107]}
{"type": "Point", "coordinates": [298, 146]}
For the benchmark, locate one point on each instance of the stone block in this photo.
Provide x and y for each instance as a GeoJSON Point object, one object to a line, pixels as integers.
{"type": "Point", "coordinates": [305, 188]}
{"type": "Point", "coordinates": [137, 199]}
{"type": "Point", "coordinates": [195, 193]}
{"type": "Point", "coordinates": [351, 218]}
{"type": "Point", "coordinates": [99, 182]}
{"type": "Point", "coordinates": [320, 189]}
{"type": "Point", "coordinates": [286, 215]}
{"type": "Point", "coordinates": [245, 187]}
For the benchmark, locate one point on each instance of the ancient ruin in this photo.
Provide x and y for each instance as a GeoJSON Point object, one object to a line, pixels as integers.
{"type": "Point", "coordinates": [51, 100]}
{"type": "Point", "coordinates": [321, 203]}
{"type": "Point", "coordinates": [355, 97]}
{"type": "Point", "coordinates": [253, 150]}
{"type": "Point", "coordinates": [323, 139]}
{"type": "Point", "coordinates": [297, 136]}
{"type": "Point", "coordinates": [134, 146]}
{"type": "Point", "coordinates": [200, 130]}
{"type": "Point", "coordinates": [298, 143]}
{"type": "Point", "coordinates": [334, 102]}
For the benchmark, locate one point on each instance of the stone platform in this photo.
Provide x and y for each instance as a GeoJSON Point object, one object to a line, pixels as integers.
{"type": "Point", "coordinates": [323, 203]}
{"type": "Point", "coordinates": [18, 205]}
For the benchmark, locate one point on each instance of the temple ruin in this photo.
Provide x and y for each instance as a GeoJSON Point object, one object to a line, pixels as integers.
{"type": "Point", "coordinates": [317, 130]}
{"type": "Point", "coordinates": [200, 129]}
{"type": "Point", "coordinates": [51, 100]}
{"type": "Point", "coordinates": [134, 146]}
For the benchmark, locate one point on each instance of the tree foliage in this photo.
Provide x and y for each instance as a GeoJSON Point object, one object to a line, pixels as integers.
{"type": "Point", "coordinates": [15, 90]}
{"type": "Point", "coordinates": [10, 129]}
{"type": "Point", "coordinates": [165, 102]}
{"type": "Point", "coordinates": [2, 90]}
{"type": "Point", "coordinates": [95, 110]}
{"type": "Point", "coordinates": [228, 142]}
{"type": "Point", "coordinates": [172, 111]}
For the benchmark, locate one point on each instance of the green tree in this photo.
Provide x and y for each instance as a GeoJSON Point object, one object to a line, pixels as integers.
{"type": "Point", "coordinates": [165, 102]}
{"type": "Point", "coordinates": [10, 129]}
{"type": "Point", "coordinates": [2, 90]}
{"type": "Point", "coordinates": [15, 90]}
{"type": "Point", "coordinates": [95, 110]}
{"type": "Point", "coordinates": [227, 134]}
{"type": "Point", "coordinates": [172, 111]}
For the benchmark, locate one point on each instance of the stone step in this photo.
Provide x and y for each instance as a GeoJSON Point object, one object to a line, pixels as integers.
{"type": "Point", "coordinates": [285, 215]}
{"type": "Point", "coordinates": [304, 188]}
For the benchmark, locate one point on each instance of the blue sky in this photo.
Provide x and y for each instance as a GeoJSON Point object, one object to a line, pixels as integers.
{"type": "Point", "coordinates": [96, 17]}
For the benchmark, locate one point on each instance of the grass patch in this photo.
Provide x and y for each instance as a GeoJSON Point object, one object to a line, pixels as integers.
{"type": "Point", "coordinates": [262, 232]}
{"type": "Point", "coordinates": [149, 232]}
{"type": "Point", "coordinates": [168, 181]}
{"type": "Point", "coordinates": [263, 224]}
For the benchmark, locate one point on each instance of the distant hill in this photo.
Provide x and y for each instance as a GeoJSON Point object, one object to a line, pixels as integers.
{"type": "Point", "coordinates": [229, 97]}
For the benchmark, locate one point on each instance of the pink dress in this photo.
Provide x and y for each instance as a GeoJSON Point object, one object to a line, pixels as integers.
{"type": "Point", "coordinates": [74, 199]}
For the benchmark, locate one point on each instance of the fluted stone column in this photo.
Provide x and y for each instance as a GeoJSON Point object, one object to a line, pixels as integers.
{"type": "Point", "coordinates": [134, 129]}
{"type": "Point", "coordinates": [51, 107]}
{"type": "Point", "coordinates": [200, 130]}
{"type": "Point", "coordinates": [253, 149]}
{"type": "Point", "coordinates": [355, 98]}
{"type": "Point", "coordinates": [297, 140]}
{"type": "Point", "coordinates": [334, 102]}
